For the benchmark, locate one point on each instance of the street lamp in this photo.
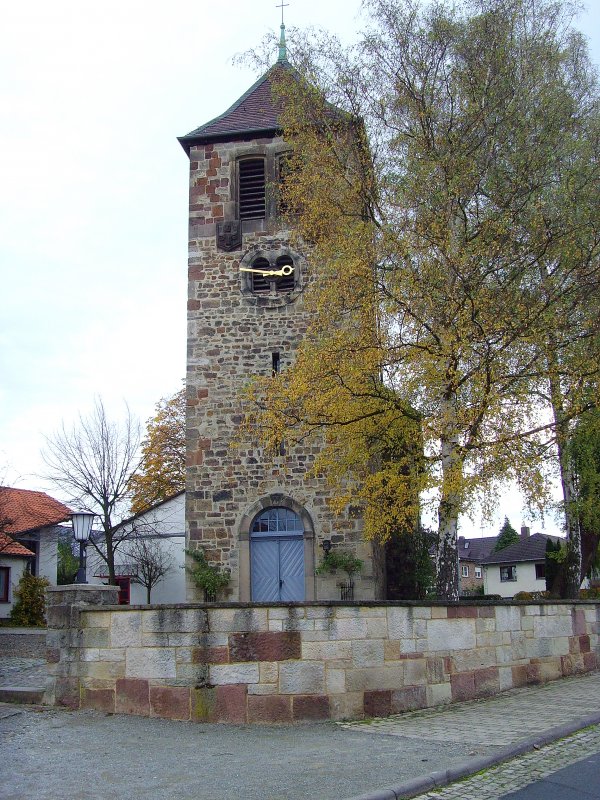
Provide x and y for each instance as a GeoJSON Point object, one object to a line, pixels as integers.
{"type": "Point", "coordinates": [82, 527]}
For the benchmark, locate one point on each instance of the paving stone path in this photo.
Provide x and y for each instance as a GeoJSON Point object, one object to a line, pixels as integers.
{"type": "Point", "coordinates": [500, 720]}
{"type": "Point", "coordinates": [496, 782]}
{"type": "Point", "coordinates": [23, 672]}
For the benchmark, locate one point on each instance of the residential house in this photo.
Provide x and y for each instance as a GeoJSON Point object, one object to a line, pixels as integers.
{"type": "Point", "coordinates": [520, 567]}
{"type": "Point", "coordinates": [155, 534]}
{"type": "Point", "coordinates": [14, 558]}
{"type": "Point", "coordinates": [33, 519]}
{"type": "Point", "coordinates": [471, 552]}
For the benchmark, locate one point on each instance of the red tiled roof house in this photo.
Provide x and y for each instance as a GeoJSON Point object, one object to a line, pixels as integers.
{"type": "Point", "coordinates": [29, 526]}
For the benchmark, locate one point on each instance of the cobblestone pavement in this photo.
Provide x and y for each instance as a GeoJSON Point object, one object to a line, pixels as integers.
{"type": "Point", "coordinates": [500, 720]}
{"type": "Point", "coordinates": [329, 761]}
{"type": "Point", "coordinates": [23, 672]}
{"type": "Point", "coordinates": [496, 782]}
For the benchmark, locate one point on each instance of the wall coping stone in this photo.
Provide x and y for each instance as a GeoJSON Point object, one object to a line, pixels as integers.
{"type": "Point", "coordinates": [348, 604]}
{"type": "Point", "coordinates": [80, 587]}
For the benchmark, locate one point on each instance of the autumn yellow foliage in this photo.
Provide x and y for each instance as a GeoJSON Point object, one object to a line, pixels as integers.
{"type": "Point", "coordinates": [162, 470]}
{"type": "Point", "coordinates": [429, 170]}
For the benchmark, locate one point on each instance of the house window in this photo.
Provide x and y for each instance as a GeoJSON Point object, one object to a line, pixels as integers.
{"type": "Point", "coordinates": [4, 584]}
{"type": "Point", "coordinates": [252, 188]}
{"type": "Point", "coordinates": [464, 570]}
{"type": "Point", "coordinates": [540, 571]}
{"type": "Point", "coordinates": [508, 573]}
{"type": "Point", "coordinates": [478, 572]}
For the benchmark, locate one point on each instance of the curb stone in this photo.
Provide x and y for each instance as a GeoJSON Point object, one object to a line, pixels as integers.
{"type": "Point", "coordinates": [423, 784]}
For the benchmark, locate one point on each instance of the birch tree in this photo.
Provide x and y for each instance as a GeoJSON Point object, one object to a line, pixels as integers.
{"type": "Point", "coordinates": [423, 164]}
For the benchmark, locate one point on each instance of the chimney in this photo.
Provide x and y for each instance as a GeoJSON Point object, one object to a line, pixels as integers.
{"type": "Point", "coordinates": [461, 542]}
{"type": "Point", "coordinates": [524, 532]}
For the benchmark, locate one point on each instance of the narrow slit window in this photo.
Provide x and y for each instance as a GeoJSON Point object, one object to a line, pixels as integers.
{"type": "Point", "coordinates": [284, 173]}
{"type": "Point", "coordinates": [275, 363]}
{"type": "Point", "coordinates": [252, 189]}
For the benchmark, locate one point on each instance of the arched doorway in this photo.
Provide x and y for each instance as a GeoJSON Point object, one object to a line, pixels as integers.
{"type": "Point", "coordinates": [277, 556]}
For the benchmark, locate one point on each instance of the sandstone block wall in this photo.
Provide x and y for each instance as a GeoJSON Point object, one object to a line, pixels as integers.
{"type": "Point", "coordinates": [314, 661]}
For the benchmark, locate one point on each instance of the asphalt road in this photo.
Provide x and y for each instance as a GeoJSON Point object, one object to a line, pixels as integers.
{"type": "Point", "coordinates": [53, 754]}
{"type": "Point", "coordinates": [579, 781]}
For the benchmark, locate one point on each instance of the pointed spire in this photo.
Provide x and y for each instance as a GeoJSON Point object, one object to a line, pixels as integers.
{"type": "Point", "coordinates": [282, 45]}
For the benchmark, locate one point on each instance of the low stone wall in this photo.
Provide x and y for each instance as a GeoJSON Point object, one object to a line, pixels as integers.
{"type": "Point", "coordinates": [23, 642]}
{"type": "Point", "coordinates": [283, 663]}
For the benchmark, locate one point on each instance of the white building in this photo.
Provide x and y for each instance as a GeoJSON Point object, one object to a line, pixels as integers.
{"type": "Point", "coordinates": [157, 532]}
{"type": "Point", "coordinates": [520, 567]}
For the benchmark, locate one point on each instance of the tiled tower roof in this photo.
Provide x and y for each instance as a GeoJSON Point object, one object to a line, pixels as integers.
{"type": "Point", "coordinates": [256, 112]}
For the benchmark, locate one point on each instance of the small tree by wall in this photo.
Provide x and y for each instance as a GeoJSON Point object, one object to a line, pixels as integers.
{"type": "Point", "coordinates": [151, 559]}
{"type": "Point", "coordinates": [67, 565]}
{"type": "Point", "coordinates": [30, 608]}
{"type": "Point", "coordinates": [410, 574]}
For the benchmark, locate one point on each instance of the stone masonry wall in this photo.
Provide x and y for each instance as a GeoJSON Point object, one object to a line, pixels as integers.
{"type": "Point", "coordinates": [232, 335]}
{"type": "Point", "coordinates": [244, 664]}
{"type": "Point", "coordinates": [65, 639]}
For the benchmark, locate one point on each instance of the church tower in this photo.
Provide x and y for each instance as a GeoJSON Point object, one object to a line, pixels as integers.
{"type": "Point", "coordinates": [259, 516]}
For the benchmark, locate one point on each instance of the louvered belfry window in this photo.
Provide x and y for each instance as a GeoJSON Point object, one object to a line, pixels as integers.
{"type": "Point", "coordinates": [260, 283]}
{"type": "Point", "coordinates": [252, 188]}
{"type": "Point", "coordinates": [287, 282]}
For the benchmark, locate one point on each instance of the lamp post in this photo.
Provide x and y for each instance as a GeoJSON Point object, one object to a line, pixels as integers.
{"type": "Point", "coordinates": [82, 527]}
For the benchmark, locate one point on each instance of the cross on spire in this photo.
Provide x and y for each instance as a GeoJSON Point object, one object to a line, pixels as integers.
{"type": "Point", "coordinates": [282, 45]}
{"type": "Point", "coordinates": [282, 5]}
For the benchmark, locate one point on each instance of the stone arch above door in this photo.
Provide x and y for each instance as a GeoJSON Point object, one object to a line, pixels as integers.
{"type": "Point", "coordinates": [276, 501]}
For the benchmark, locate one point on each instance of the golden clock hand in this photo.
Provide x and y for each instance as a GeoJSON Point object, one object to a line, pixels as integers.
{"type": "Point", "coordinates": [285, 270]}
{"type": "Point", "coordinates": [264, 272]}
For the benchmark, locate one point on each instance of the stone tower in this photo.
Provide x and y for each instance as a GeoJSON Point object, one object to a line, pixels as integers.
{"type": "Point", "coordinates": [260, 517]}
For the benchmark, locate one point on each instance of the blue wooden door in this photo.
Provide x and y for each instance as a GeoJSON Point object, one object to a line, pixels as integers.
{"type": "Point", "coordinates": [277, 557]}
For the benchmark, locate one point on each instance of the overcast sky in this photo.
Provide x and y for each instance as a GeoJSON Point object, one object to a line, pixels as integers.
{"type": "Point", "coordinates": [93, 196]}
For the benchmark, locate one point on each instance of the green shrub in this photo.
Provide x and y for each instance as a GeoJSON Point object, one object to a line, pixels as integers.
{"type": "Point", "coordinates": [339, 559]}
{"type": "Point", "coordinates": [531, 597]}
{"type": "Point", "coordinates": [206, 576]}
{"type": "Point", "coordinates": [589, 594]}
{"type": "Point", "coordinates": [68, 564]}
{"type": "Point", "coordinates": [30, 608]}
